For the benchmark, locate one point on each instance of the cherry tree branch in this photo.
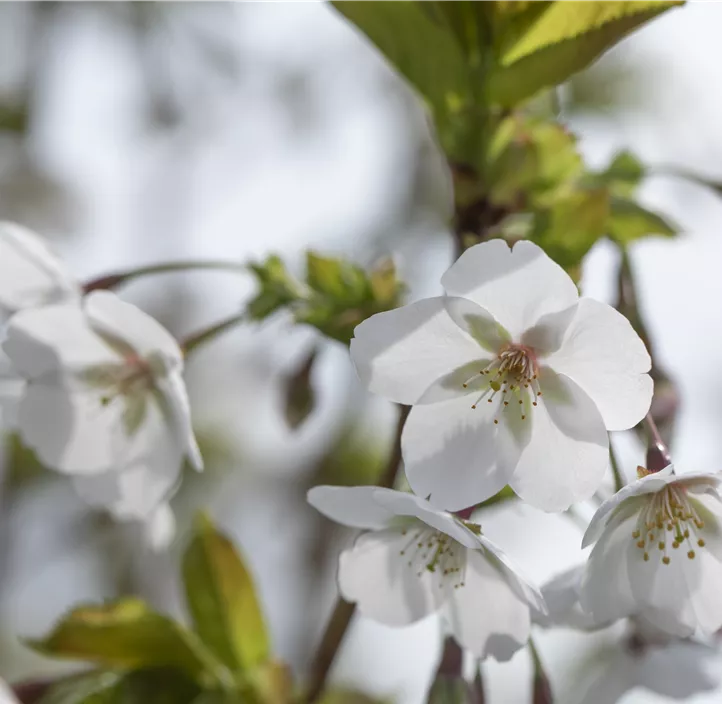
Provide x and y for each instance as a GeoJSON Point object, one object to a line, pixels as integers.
{"type": "Point", "coordinates": [343, 612]}
{"type": "Point", "coordinates": [110, 281]}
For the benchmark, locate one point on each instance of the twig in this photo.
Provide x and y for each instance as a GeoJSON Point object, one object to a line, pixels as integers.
{"type": "Point", "coordinates": [110, 281]}
{"type": "Point", "coordinates": [197, 339]}
{"type": "Point", "coordinates": [658, 455]}
{"type": "Point", "coordinates": [616, 473]}
{"type": "Point", "coordinates": [343, 612]}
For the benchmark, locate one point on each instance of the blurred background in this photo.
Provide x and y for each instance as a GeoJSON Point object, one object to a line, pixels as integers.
{"type": "Point", "coordinates": [135, 133]}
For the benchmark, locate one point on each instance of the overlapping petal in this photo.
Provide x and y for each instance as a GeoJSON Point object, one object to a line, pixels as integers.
{"type": "Point", "coordinates": [604, 355]}
{"type": "Point", "coordinates": [516, 285]}
{"type": "Point", "coordinates": [486, 615]}
{"type": "Point", "coordinates": [30, 273]}
{"type": "Point", "coordinates": [568, 452]}
{"type": "Point", "coordinates": [375, 575]}
{"type": "Point", "coordinates": [455, 455]}
{"type": "Point", "coordinates": [400, 353]}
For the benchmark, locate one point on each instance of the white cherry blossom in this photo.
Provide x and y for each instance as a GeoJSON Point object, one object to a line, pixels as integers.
{"type": "Point", "coordinates": [414, 560]}
{"type": "Point", "coordinates": [31, 274]}
{"type": "Point", "coordinates": [640, 657]}
{"type": "Point", "coordinates": [6, 694]}
{"type": "Point", "coordinates": [513, 380]}
{"type": "Point", "coordinates": [658, 553]}
{"type": "Point", "coordinates": [104, 400]}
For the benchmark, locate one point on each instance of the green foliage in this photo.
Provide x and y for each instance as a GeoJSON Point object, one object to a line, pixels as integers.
{"type": "Point", "coordinates": [336, 296]}
{"type": "Point", "coordinates": [148, 657]}
{"type": "Point", "coordinates": [222, 600]}
{"type": "Point", "coordinates": [544, 43]}
{"type": "Point", "coordinates": [126, 634]}
{"type": "Point", "coordinates": [629, 221]}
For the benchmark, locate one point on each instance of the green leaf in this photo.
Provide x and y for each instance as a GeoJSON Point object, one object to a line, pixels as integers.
{"type": "Point", "coordinates": [161, 686]}
{"type": "Point", "coordinates": [222, 600]}
{"type": "Point", "coordinates": [337, 279]}
{"type": "Point", "coordinates": [623, 175]}
{"type": "Point", "coordinates": [96, 687]}
{"type": "Point", "coordinates": [569, 228]}
{"type": "Point", "coordinates": [276, 288]}
{"type": "Point", "coordinates": [543, 46]}
{"type": "Point", "coordinates": [630, 221]}
{"type": "Point", "coordinates": [126, 634]}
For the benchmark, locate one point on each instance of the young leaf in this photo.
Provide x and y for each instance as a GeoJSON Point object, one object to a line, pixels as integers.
{"type": "Point", "coordinates": [222, 600]}
{"type": "Point", "coordinates": [623, 175]}
{"type": "Point", "coordinates": [544, 47]}
{"type": "Point", "coordinates": [629, 221]}
{"type": "Point", "coordinates": [126, 634]}
{"type": "Point", "coordinates": [336, 279]}
{"type": "Point", "coordinates": [569, 228]}
{"type": "Point", "coordinates": [160, 686]}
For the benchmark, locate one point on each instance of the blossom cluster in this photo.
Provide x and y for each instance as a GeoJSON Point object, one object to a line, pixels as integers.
{"type": "Point", "coordinates": [93, 385]}
{"type": "Point", "coordinates": [513, 379]}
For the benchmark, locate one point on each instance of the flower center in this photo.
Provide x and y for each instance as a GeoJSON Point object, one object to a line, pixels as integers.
{"type": "Point", "coordinates": [512, 378]}
{"type": "Point", "coordinates": [669, 520]}
{"type": "Point", "coordinates": [131, 377]}
{"type": "Point", "coordinates": [431, 551]}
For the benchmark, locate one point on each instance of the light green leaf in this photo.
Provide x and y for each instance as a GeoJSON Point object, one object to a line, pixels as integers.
{"type": "Point", "coordinates": [336, 278]}
{"type": "Point", "coordinates": [276, 288]}
{"type": "Point", "coordinates": [126, 634]}
{"type": "Point", "coordinates": [222, 600]}
{"type": "Point", "coordinates": [629, 221]}
{"type": "Point", "coordinates": [622, 176]}
{"type": "Point", "coordinates": [568, 229]}
{"type": "Point", "coordinates": [160, 686]}
{"type": "Point", "coordinates": [544, 46]}
{"type": "Point", "coordinates": [92, 688]}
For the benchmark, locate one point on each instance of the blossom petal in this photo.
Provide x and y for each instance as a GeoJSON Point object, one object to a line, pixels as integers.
{"type": "Point", "coordinates": [73, 432]}
{"type": "Point", "coordinates": [177, 407]}
{"type": "Point", "coordinates": [604, 355]}
{"type": "Point", "coordinates": [486, 615]}
{"type": "Point", "coordinates": [113, 317]}
{"type": "Point", "coordinates": [649, 484]}
{"type": "Point", "coordinates": [404, 504]}
{"type": "Point", "coordinates": [30, 273]}
{"type": "Point", "coordinates": [160, 528]}
{"type": "Point", "coordinates": [400, 353]}
{"type": "Point", "coordinates": [516, 579]}
{"type": "Point", "coordinates": [54, 338]}
{"type": "Point", "coordinates": [517, 286]}
{"type": "Point", "coordinates": [354, 506]}
{"type": "Point", "coordinates": [668, 590]}
{"type": "Point", "coordinates": [568, 453]}
{"type": "Point", "coordinates": [456, 455]}
{"type": "Point", "coordinates": [148, 469]}
{"type": "Point", "coordinates": [375, 575]}
{"type": "Point", "coordinates": [605, 590]}
{"type": "Point", "coordinates": [561, 595]}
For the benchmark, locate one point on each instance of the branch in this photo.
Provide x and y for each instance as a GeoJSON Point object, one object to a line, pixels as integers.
{"type": "Point", "coordinates": [343, 612]}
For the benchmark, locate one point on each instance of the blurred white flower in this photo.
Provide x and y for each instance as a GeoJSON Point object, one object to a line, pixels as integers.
{"type": "Point", "coordinates": [30, 273]}
{"type": "Point", "coordinates": [416, 560]}
{"type": "Point", "coordinates": [6, 694]}
{"type": "Point", "coordinates": [643, 657]}
{"type": "Point", "coordinates": [104, 400]}
{"type": "Point", "coordinates": [513, 380]}
{"type": "Point", "coordinates": [658, 553]}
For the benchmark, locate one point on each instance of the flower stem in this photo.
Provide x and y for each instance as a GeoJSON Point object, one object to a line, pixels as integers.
{"type": "Point", "coordinates": [658, 455]}
{"type": "Point", "coordinates": [343, 612]}
{"type": "Point", "coordinates": [616, 473]}
{"type": "Point", "coordinates": [110, 281]}
{"type": "Point", "coordinates": [190, 344]}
